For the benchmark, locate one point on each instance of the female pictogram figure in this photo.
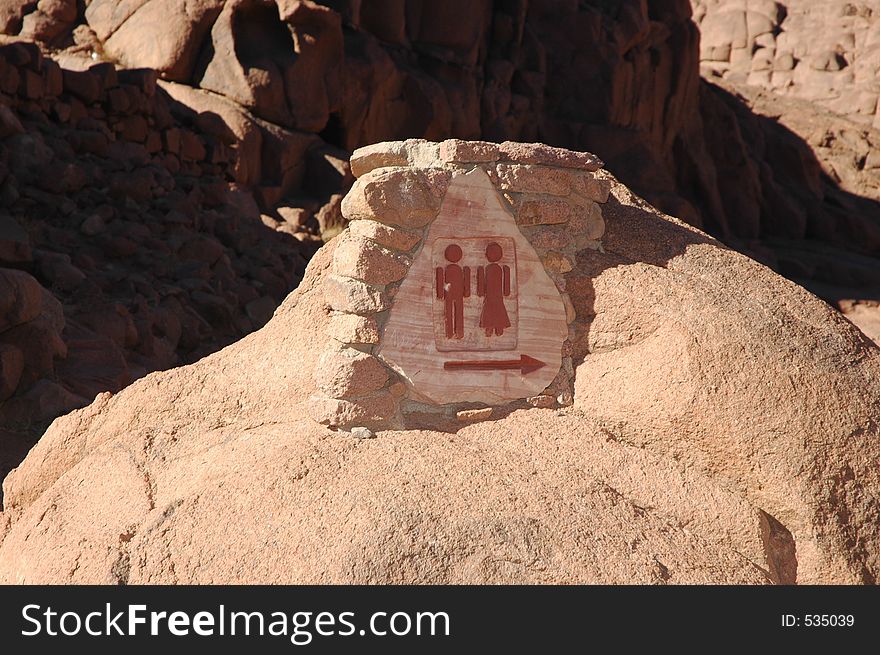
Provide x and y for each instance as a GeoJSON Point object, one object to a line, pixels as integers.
{"type": "Point", "coordinates": [493, 283]}
{"type": "Point", "coordinates": [453, 284]}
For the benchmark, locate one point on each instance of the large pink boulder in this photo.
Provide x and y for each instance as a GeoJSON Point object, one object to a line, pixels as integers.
{"type": "Point", "coordinates": [723, 430]}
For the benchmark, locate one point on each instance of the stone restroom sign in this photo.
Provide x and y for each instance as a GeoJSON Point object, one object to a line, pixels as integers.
{"type": "Point", "coordinates": [506, 314]}
{"type": "Point", "coordinates": [482, 295]}
{"type": "Point", "coordinates": [448, 287]}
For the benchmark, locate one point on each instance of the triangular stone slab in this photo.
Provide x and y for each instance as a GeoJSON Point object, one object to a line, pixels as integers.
{"type": "Point", "coordinates": [477, 318]}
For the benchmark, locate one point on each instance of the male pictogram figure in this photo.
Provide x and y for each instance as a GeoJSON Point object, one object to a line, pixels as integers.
{"type": "Point", "coordinates": [493, 284]}
{"type": "Point", "coordinates": [453, 284]}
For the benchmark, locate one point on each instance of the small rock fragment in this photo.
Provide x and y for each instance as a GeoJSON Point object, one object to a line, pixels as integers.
{"type": "Point", "coordinates": [469, 415]}
{"type": "Point", "coordinates": [362, 433]}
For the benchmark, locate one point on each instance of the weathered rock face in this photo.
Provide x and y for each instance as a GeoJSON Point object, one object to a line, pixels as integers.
{"type": "Point", "coordinates": [826, 52]}
{"type": "Point", "coordinates": [710, 409]}
{"type": "Point", "coordinates": [790, 125]}
{"type": "Point", "coordinates": [281, 61]}
{"type": "Point", "coordinates": [130, 238]}
{"type": "Point", "coordinates": [814, 213]}
{"type": "Point", "coordinates": [362, 73]}
{"type": "Point", "coordinates": [164, 35]}
{"type": "Point", "coordinates": [685, 457]}
{"type": "Point", "coordinates": [249, 83]}
{"type": "Point", "coordinates": [45, 20]}
{"type": "Point", "coordinates": [105, 174]}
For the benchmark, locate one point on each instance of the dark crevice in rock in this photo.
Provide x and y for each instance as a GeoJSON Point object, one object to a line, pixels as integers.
{"type": "Point", "coordinates": [780, 550]}
{"type": "Point", "coordinates": [261, 37]}
{"type": "Point", "coordinates": [334, 132]}
{"type": "Point", "coordinates": [121, 568]}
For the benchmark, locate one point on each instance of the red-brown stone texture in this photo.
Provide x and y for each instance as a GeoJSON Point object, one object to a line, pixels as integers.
{"type": "Point", "coordinates": [681, 460]}
{"type": "Point", "coordinates": [130, 237]}
{"type": "Point", "coordinates": [235, 119]}
{"type": "Point", "coordinates": [825, 52]}
{"type": "Point", "coordinates": [167, 169]}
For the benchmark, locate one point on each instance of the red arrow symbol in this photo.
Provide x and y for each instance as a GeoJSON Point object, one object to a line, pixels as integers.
{"type": "Point", "coordinates": [525, 364]}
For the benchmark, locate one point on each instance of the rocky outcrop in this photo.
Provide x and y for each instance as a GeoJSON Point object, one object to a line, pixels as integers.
{"type": "Point", "coordinates": [131, 238]}
{"type": "Point", "coordinates": [679, 460]}
{"type": "Point", "coordinates": [164, 35]}
{"type": "Point", "coordinates": [46, 20]}
{"type": "Point", "coordinates": [283, 62]}
{"type": "Point", "coordinates": [361, 73]}
{"type": "Point", "coordinates": [790, 112]}
{"type": "Point", "coordinates": [168, 169]}
{"type": "Point", "coordinates": [813, 213]}
{"type": "Point", "coordinates": [825, 52]}
{"type": "Point", "coordinates": [240, 145]}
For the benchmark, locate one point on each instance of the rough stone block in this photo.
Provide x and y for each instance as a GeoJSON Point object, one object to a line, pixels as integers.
{"type": "Point", "coordinates": [397, 196]}
{"type": "Point", "coordinates": [377, 155]}
{"type": "Point", "coordinates": [397, 390]}
{"type": "Point", "coordinates": [543, 212]}
{"type": "Point", "coordinates": [346, 294]}
{"type": "Point", "coordinates": [144, 79]}
{"type": "Point", "coordinates": [105, 72]}
{"type": "Point", "coordinates": [458, 151]}
{"type": "Point", "coordinates": [362, 433]}
{"type": "Point", "coordinates": [372, 411]}
{"type": "Point", "coordinates": [557, 262]}
{"type": "Point", "coordinates": [385, 235]}
{"type": "Point", "coordinates": [118, 100]}
{"type": "Point", "coordinates": [31, 85]}
{"type": "Point", "coordinates": [52, 76]}
{"type": "Point", "coordinates": [593, 188]}
{"type": "Point", "coordinates": [191, 147]}
{"type": "Point", "coordinates": [82, 84]}
{"type": "Point", "coordinates": [366, 260]}
{"type": "Point", "coordinates": [539, 153]}
{"type": "Point", "coordinates": [153, 143]}
{"type": "Point", "coordinates": [134, 128]}
{"type": "Point", "coordinates": [412, 152]}
{"type": "Point", "coordinates": [522, 178]}
{"type": "Point", "coordinates": [351, 328]}
{"type": "Point", "coordinates": [587, 221]}
{"type": "Point", "coordinates": [347, 373]}
{"type": "Point", "coordinates": [172, 140]}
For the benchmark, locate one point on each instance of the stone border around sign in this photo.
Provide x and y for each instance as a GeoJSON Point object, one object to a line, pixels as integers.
{"type": "Point", "coordinates": [555, 196]}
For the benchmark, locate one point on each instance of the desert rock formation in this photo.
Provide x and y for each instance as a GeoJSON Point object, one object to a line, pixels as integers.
{"type": "Point", "coordinates": [630, 92]}
{"type": "Point", "coordinates": [194, 132]}
{"type": "Point", "coordinates": [684, 457]}
{"type": "Point", "coordinates": [826, 52]}
{"type": "Point", "coordinates": [166, 172]}
{"type": "Point", "coordinates": [130, 237]}
{"type": "Point", "coordinates": [217, 142]}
